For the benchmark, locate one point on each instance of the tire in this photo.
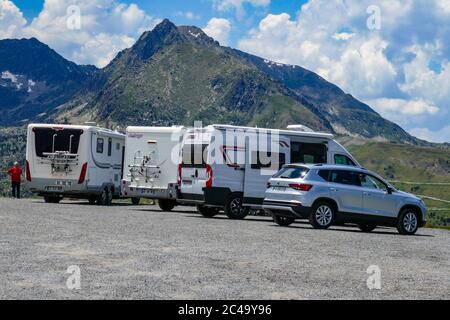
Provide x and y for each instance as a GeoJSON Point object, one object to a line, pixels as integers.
{"type": "Point", "coordinates": [166, 205]}
{"type": "Point", "coordinates": [408, 222]}
{"type": "Point", "coordinates": [135, 201]}
{"type": "Point", "coordinates": [102, 199]}
{"type": "Point", "coordinates": [110, 197]}
{"type": "Point", "coordinates": [207, 212]}
{"type": "Point", "coordinates": [366, 227]}
{"type": "Point", "coordinates": [234, 209]}
{"type": "Point", "coordinates": [283, 221]}
{"type": "Point", "coordinates": [322, 215]}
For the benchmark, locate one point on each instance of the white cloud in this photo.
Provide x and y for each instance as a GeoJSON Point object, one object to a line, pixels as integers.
{"type": "Point", "coordinates": [11, 20]}
{"type": "Point", "coordinates": [238, 5]}
{"type": "Point", "coordinates": [400, 108]}
{"type": "Point", "coordinates": [219, 29]}
{"type": "Point", "coordinates": [389, 68]}
{"type": "Point", "coordinates": [421, 81]}
{"type": "Point", "coordinates": [188, 15]}
{"type": "Point", "coordinates": [105, 28]}
{"type": "Point", "coordinates": [343, 36]}
{"type": "Point", "coordinates": [439, 136]}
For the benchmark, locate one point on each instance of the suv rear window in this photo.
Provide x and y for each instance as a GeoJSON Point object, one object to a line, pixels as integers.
{"type": "Point", "coordinates": [292, 173]}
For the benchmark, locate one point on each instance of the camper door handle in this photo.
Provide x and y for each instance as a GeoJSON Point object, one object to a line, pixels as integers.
{"type": "Point", "coordinates": [196, 173]}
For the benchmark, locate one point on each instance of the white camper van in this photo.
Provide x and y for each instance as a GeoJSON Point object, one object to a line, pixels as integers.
{"type": "Point", "coordinates": [228, 167]}
{"type": "Point", "coordinates": [74, 161]}
{"type": "Point", "coordinates": [151, 162]}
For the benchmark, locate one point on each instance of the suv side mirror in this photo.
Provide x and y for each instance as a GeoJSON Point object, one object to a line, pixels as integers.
{"type": "Point", "coordinates": [390, 190]}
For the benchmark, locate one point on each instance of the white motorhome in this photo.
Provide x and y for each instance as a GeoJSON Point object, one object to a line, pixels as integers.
{"type": "Point", "coordinates": [151, 162]}
{"type": "Point", "coordinates": [228, 167]}
{"type": "Point", "coordinates": [75, 161]}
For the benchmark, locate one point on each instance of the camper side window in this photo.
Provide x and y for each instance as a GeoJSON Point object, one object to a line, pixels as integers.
{"type": "Point", "coordinates": [109, 147]}
{"type": "Point", "coordinates": [343, 160]}
{"type": "Point", "coordinates": [100, 143]}
{"type": "Point", "coordinates": [308, 153]}
{"type": "Point", "coordinates": [262, 160]}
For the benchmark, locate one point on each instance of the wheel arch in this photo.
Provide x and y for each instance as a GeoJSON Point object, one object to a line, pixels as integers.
{"type": "Point", "coordinates": [328, 200]}
{"type": "Point", "coordinates": [414, 207]}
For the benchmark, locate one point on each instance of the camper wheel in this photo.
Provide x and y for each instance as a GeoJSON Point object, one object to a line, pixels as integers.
{"type": "Point", "coordinates": [110, 196]}
{"type": "Point", "coordinates": [103, 198]}
{"type": "Point", "coordinates": [166, 205]}
{"type": "Point", "coordinates": [207, 212]}
{"type": "Point", "coordinates": [234, 208]}
{"type": "Point", "coordinates": [135, 201]}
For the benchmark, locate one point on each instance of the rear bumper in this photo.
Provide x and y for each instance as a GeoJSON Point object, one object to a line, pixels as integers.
{"type": "Point", "coordinates": [292, 208]}
{"type": "Point", "coordinates": [43, 186]}
{"type": "Point", "coordinates": [130, 190]}
{"type": "Point", "coordinates": [191, 198]}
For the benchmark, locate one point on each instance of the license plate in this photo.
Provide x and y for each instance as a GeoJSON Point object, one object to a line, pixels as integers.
{"type": "Point", "coordinates": [53, 188]}
{"type": "Point", "coordinates": [63, 183]}
{"type": "Point", "coordinates": [187, 182]}
{"type": "Point", "coordinates": [279, 189]}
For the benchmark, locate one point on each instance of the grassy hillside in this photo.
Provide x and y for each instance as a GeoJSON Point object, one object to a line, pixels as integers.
{"type": "Point", "coordinates": [419, 170]}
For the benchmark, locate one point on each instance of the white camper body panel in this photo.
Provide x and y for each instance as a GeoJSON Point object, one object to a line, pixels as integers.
{"type": "Point", "coordinates": [151, 162]}
{"type": "Point", "coordinates": [70, 160]}
{"type": "Point", "coordinates": [231, 161]}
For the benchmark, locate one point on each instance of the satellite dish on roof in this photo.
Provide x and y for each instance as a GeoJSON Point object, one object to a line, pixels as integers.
{"type": "Point", "coordinates": [300, 128]}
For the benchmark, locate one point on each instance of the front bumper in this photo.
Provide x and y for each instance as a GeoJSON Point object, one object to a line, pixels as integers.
{"type": "Point", "coordinates": [291, 208]}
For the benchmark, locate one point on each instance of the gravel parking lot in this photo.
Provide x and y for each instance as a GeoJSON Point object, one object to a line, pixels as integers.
{"type": "Point", "coordinates": [139, 252]}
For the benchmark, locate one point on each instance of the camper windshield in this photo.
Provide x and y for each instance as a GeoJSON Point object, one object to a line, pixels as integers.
{"type": "Point", "coordinates": [44, 138]}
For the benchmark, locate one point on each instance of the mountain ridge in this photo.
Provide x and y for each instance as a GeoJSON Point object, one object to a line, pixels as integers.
{"type": "Point", "coordinates": [178, 74]}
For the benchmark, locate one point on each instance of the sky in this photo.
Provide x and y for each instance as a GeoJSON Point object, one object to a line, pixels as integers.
{"type": "Point", "coordinates": [391, 54]}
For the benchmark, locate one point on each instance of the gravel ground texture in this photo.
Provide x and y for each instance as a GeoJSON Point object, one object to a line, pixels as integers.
{"type": "Point", "coordinates": [139, 252]}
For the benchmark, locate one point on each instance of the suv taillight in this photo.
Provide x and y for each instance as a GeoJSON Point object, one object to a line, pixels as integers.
{"type": "Point", "coordinates": [27, 170]}
{"type": "Point", "coordinates": [301, 187]}
{"type": "Point", "coordinates": [83, 174]}
{"type": "Point", "coordinates": [209, 176]}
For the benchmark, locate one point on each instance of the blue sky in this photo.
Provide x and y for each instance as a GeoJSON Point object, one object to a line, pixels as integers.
{"type": "Point", "coordinates": [391, 54]}
{"type": "Point", "coordinates": [203, 11]}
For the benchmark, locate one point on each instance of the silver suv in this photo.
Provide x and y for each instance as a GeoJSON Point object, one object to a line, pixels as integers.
{"type": "Point", "coordinates": [332, 194]}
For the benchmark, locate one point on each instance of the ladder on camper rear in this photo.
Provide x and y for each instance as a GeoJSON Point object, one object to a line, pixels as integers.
{"type": "Point", "coordinates": [60, 161]}
{"type": "Point", "coordinates": [142, 168]}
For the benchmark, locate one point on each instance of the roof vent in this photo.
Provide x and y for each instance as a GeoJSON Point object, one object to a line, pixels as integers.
{"type": "Point", "coordinates": [300, 128]}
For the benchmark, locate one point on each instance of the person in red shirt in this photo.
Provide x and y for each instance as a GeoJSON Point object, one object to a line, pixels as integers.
{"type": "Point", "coordinates": [16, 177]}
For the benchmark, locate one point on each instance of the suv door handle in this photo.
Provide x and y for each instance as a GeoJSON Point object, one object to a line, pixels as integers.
{"type": "Point", "coordinates": [334, 190]}
{"type": "Point", "coordinates": [366, 193]}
